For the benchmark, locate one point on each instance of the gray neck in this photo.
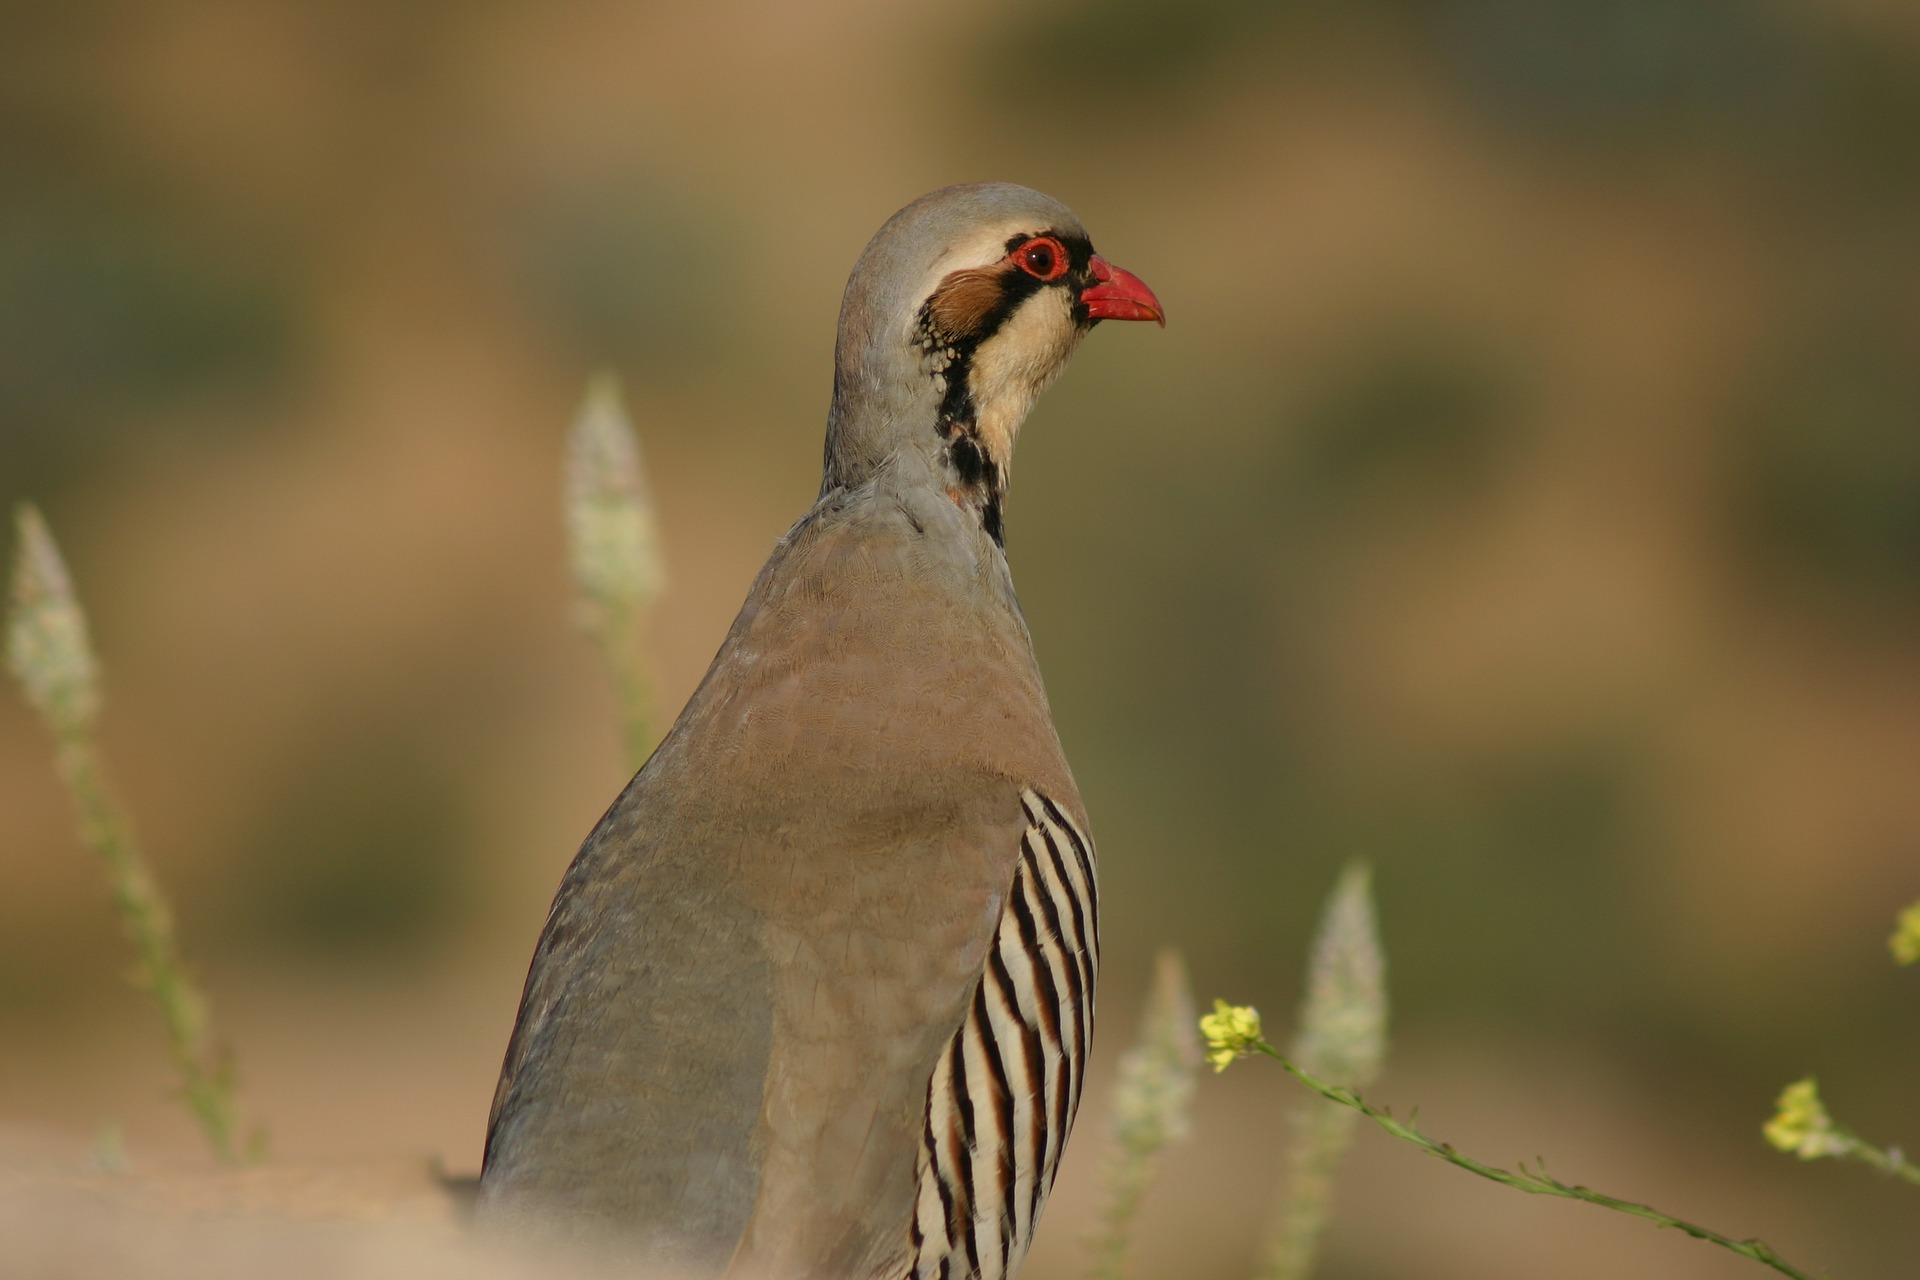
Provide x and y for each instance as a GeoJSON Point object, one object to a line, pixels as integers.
{"type": "Point", "coordinates": [918, 431]}
{"type": "Point", "coordinates": [883, 407]}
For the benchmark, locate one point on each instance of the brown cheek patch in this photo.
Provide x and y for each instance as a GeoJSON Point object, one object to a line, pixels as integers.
{"type": "Point", "coordinates": [960, 306]}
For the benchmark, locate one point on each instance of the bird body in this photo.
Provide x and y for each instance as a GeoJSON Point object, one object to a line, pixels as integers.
{"type": "Point", "coordinates": [814, 997]}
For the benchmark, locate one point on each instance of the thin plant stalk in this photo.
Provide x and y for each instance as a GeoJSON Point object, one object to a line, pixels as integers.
{"type": "Point", "coordinates": [1232, 1031]}
{"type": "Point", "coordinates": [1891, 1161]}
{"type": "Point", "coordinates": [1151, 1103]}
{"type": "Point", "coordinates": [1342, 1036]}
{"type": "Point", "coordinates": [49, 652]}
{"type": "Point", "coordinates": [614, 548]}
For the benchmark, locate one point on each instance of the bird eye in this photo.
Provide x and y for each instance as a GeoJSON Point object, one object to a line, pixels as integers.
{"type": "Point", "coordinates": [1043, 258]}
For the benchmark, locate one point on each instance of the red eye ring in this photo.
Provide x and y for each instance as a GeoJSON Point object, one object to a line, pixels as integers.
{"type": "Point", "coordinates": [1043, 258]}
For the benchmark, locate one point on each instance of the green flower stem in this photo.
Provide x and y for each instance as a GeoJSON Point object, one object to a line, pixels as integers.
{"type": "Point", "coordinates": [620, 636]}
{"type": "Point", "coordinates": [52, 657]}
{"type": "Point", "coordinates": [206, 1080]}
{"type": "Point", "coordinates": [1801, 1126]}
{"type": "Point", "coordinates": [1886, 1161]}
{"type": "Point", "coordinates": [1532, 1181]}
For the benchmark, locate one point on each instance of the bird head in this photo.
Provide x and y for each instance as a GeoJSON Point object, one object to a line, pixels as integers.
{"type": "Point", "coordinates": [965, 305]}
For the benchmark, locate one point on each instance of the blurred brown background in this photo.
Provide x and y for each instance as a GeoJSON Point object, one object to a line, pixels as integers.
{"type": "Point", "coordinates": [1524, 497]}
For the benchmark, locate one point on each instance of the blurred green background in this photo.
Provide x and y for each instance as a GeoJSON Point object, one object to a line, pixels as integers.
{"type": "Point", "coordinates": [1525, 497]}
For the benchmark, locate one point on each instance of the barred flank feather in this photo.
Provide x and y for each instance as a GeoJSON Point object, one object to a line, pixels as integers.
{"type": "Point", "coordinates": [1002, 1099]}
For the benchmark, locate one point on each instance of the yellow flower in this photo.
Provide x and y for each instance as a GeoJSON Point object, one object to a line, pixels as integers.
{"type": "Point", "coordinates": [1230, 1030]}
{"type": "Point", "coordinates": [1801, 1125]}
{"type": "Point", "coordinates": [1905, 942]}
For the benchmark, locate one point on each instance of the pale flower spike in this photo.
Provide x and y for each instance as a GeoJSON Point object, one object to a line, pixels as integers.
{"type": "Point", "coordinates": [613, 543]}
{"type": "Point", "coordinates": [1151, 1100]}
{"type": "Point", "coordinates": [47, 644]}
{"type": "Point", "coordinates": [1342, 1037]}
{"type": "Point", "coordinates": [48, 650]}
{"type": "Point", "coordinates": [614, 540]}
{"type": "Point", "coordinates": [1343, 1021]}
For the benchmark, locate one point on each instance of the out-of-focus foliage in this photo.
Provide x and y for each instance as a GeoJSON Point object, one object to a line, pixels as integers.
{"type": "Point", "coordinates": [1534, 1180]}
{"type": "Point", "coordinates": [1522, 498]}
{"type": "Point", "coordinates": [1342, 1037]}
{"type": "Point", "coordinates": [49, 654]}
{"type": "Point", "coordinates": [613, 548]}
{"type": "Point", "coordinates": [1151, 1108]}
{"type": "Point", "coordinates": [1835, 458]}
{"type": "Point", "coordinates": [1905, 942]}
{"type": "Point", "coordinates": [629, 269]}
{"type": "Point", "coordinates": [106, 310]}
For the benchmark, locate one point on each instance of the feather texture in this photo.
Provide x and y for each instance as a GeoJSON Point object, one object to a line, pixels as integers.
{"type": "Point", "coordinates": [814, 998]}
{"type": "Point", "coordinates": [1003, 1096]}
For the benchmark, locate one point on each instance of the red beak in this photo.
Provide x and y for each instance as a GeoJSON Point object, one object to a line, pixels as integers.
{"type": "Point", "coordinates": [1119, 294]}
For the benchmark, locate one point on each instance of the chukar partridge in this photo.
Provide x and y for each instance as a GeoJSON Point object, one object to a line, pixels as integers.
{"type": "Point", "coordinates": [815, 997]}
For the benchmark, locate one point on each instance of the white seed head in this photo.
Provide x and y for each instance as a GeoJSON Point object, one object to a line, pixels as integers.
{"type": "Point", "coordinates": [47, 645]}
{"type": "Point", "coordinates": [1156, 1077]}
{"type": "Point", "coordinates": [1343, 1021]}
{"type": "Point", "coordinates": [613, 535]}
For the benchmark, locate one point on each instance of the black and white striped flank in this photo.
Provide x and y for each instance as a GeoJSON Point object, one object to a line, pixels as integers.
{"type": "Point", "coordinates": [1003, 1097]}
